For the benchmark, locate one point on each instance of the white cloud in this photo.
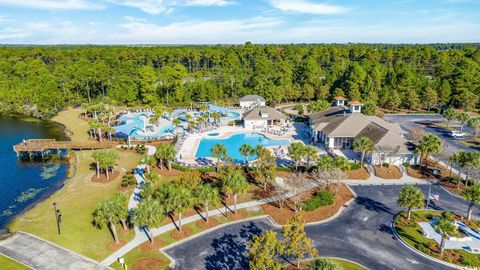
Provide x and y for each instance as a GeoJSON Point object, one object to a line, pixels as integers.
{"type": "Point", "coordinates": [166, 6]}
{"type": "Point", "coordinates": [191, 32]}
{"type": "Point", "coordinates": [303, 6]}
{"type": "Point", "coordinates": [52, 4]}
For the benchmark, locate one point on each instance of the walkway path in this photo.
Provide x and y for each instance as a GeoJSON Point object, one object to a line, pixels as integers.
{"type": "Point", "coordinates": [40, 254]}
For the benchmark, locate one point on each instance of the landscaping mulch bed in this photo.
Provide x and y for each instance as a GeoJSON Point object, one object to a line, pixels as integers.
{"type": "Point", "coordinates": [212, 222]}
{"type": "Point", "coordinates": [179, 235]}
{"type": "Point", "coordinates": [452, 187]}
{"type": "Point", "coordinates": [391, 172]}
{"type": "Point", "coordinates": [114, 246]}
{"type": "Point", "coordinates": [361, 174]}
{"type": "Point", "coordinates": [103, 177]}
{"type": "Point", "coordinates": [420, 172]}
{"type": "Point", "coordinates": [281, 216]}
{"type": "Point", "coordinates": [146, 264]}
{"type": "Point", "coordinates": [241, 214]}
{"type": "Point", "coordinates": [151, 247]}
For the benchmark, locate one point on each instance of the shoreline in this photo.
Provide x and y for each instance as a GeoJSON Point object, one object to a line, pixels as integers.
{"type": "Point", "coordinates": [69, 162]}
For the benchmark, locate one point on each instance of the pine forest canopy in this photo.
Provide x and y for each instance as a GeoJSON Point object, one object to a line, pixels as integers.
{"type": "Point", "coordinates": [40, 80]}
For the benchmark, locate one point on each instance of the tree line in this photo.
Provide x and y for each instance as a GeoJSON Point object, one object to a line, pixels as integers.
{"type": "Point", "coordinates": [41, 80]}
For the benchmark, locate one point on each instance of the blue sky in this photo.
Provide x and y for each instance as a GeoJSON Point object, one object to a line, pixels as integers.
{"type": "Point", "coordinates": [237, 21]}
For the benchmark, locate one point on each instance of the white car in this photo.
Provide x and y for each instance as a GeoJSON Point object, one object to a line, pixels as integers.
{"type": "Point", "coordinates": [456, 134]}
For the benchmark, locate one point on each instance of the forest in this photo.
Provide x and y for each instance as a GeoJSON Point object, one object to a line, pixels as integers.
{"type": "Point", "coordinates": [41, 80]}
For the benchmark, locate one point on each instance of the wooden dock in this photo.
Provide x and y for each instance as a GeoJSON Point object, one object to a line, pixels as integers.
{"type": "Point", "coordinates": [42, 145]}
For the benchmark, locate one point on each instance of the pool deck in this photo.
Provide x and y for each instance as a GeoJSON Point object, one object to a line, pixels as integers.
{"type": "Point", "coordinates": [190, 146]}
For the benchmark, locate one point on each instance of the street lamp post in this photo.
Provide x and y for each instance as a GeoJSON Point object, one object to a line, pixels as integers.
{"type": "Point", "coordinates": [58, 216]}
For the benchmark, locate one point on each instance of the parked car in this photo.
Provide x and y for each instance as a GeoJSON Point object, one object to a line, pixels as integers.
{"type": "Point", "coordinates": [456, 134]}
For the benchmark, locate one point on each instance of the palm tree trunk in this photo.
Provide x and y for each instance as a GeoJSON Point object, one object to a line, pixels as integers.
{"type": "Point", "coordinates": [161, 164]}
{"type": "Point", "coordinates": [206, 212]}
{"type": "Point", "coordinates": [124, 224]}
{"type": "Point", "coordinates": [180, 222]}
{"type": "Point", "coordinates": [409, 214]}
{"type": "Point", "coordinates": [442, 246]}
{"type": "Point", "coordinates": [114, 231]}
{"type": "Point", "coordinates": [361, 160]}
{"type": "Point", "coordinates": [106, 173]}
{"type": "Point", "coordinates": [235, 203]}
{"type": "Point", "coordinates": [469, 210]}
{"type": "Point", "coordinates": [169, 163]}
{"type": "Point", "coordinates": [98, 170]}
{"type": "Point", "coordinates": [99, 134]}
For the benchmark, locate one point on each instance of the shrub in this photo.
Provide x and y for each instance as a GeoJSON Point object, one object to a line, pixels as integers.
{"type": "Point", "coordinates": [323, 264]}
{"type": "Point", "coordinates": [124, 181]}
{"type": "Point", "coordinates": [181, 168]}
{"type": "Point", "coordinates": [422, 248]}
{"type": "Point", "coordinates": [321, 198]}
{"type": "Point", "coordinates": [406, 164]}
{"type": "Point", "coordinates": [386, 165]}
{"type": "Point", "coordinates": [354, 166]}
{"type": "Point", "coordinates": [466, 261]}
{"type": "Point", "coordinates": [451, 179]}
{"type": "Point", "coordinates": [141, 149]}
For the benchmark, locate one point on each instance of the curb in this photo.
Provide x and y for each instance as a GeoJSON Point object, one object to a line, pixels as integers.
{"type": "Point", "coordinates": [15, 260]}
{"type": "Point", "coordinates": [273, 223]}
{"type": "Point", "coordinates": [398, 237]}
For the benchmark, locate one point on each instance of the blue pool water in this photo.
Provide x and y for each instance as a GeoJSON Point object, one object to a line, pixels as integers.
{"type": "Point", "coordinates": [233, 144]}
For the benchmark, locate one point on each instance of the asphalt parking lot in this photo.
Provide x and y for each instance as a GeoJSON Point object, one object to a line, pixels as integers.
{"type": "Point", "coordinates": [408, 121]}
{"type": "Point", "coordinates": [362, 233]}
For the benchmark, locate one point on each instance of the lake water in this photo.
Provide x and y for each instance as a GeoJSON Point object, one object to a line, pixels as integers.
{"type": "Point", "coordinates": [22, 184]}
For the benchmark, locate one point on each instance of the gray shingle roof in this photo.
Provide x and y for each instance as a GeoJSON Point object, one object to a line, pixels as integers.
{"type": "Point", "coordinates": [256, 114]}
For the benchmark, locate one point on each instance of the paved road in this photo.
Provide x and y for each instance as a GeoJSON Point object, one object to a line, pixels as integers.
{"type": "Point", "coordinates": [408, 121]}
{"type": "Point", "coordinates": [361, 233]}
{"type": "Point", "coordinates": [42, 255]}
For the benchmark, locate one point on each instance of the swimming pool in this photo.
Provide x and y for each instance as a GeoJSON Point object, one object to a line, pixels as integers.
{"type": "Point", "coordinates": [233, 144]}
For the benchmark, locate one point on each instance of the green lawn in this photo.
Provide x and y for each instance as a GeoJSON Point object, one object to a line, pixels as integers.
{"type": "Point", "coordinates": [9, 264]}
{"type": "Point", "coordinates": [163, 262]}
{"type": "Point", "coordinates": [411, 233]}
{"type": "Point", "coordinates": [71, 120]}
{"type": "Point", "coordinates": [77, 200]}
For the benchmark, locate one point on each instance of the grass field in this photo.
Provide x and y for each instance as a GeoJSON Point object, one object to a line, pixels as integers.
{"type": "Point", "coordinates": [9, 264]}
{"type": "Point", "coordinates": [77, 200]}
{"type": "Point", "coordinates": [77, 128]}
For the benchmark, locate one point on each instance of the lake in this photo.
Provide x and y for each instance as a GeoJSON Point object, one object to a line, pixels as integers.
{"type": "Point", "coordinates": [24, 183]}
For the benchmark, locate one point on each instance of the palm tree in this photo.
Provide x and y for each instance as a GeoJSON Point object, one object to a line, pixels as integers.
{"type": "Point", "coordinates": [363, 145]}
{"type": "Point", "coordinates": [106, 214]}
{"type": "Point", "coordinates": [449, 114]}
{"type": "Point", "coordinates": [166, 152]}
{"type": "Point", "coordinates": [110, 130]}
{"type": "Point", "coordinates": [108, 161]}
{"type": "Point", "coordinates": [427, 145]}
{"type": "Point", "coordinates": [310, 153]}
{"type": "Point", "coordinates": [472, 195]}
{"type": "Point", "coordinates": [342, 163]}
{"type": "Point", "coordinates": [326, 163]}
{"type": "Point", "coordinates": [234, 183]}
{"type": "Point", "coordinates": [93, 125]}
{"type": "Point", "coordinates": [149, 213]}
{"type": "Point", "coordinates": [296, 151]}
{"type": "Point", "coordinates": [246, 150]}
{"type": "Point", "coordinates": [120, 202]}
{"type": "Point", "coordinates": [97, 156]}
{"type": "Point", "coordinates": [410, 197]}
{"type": "Point", "coordinates": [219, 151]}
{"type": "Point", "coordinates": [216, 116]}
{"type": "Point", "coordinates": [207, 194]}
{"type": "Point", "coordinates": [148, 161]}
{"type": "Point", "coordinates": [474, 123]}
{"type": "Point", "coordinates": [191, 125]}
{"type": "Point", "coordinates": [181, 200]}
{"type": "Point", "coordinates": [446, 228]}
{"type": "Point", "coordinates": [463, 118]}
{"type": "Point", "coordinates": [453, 159]}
